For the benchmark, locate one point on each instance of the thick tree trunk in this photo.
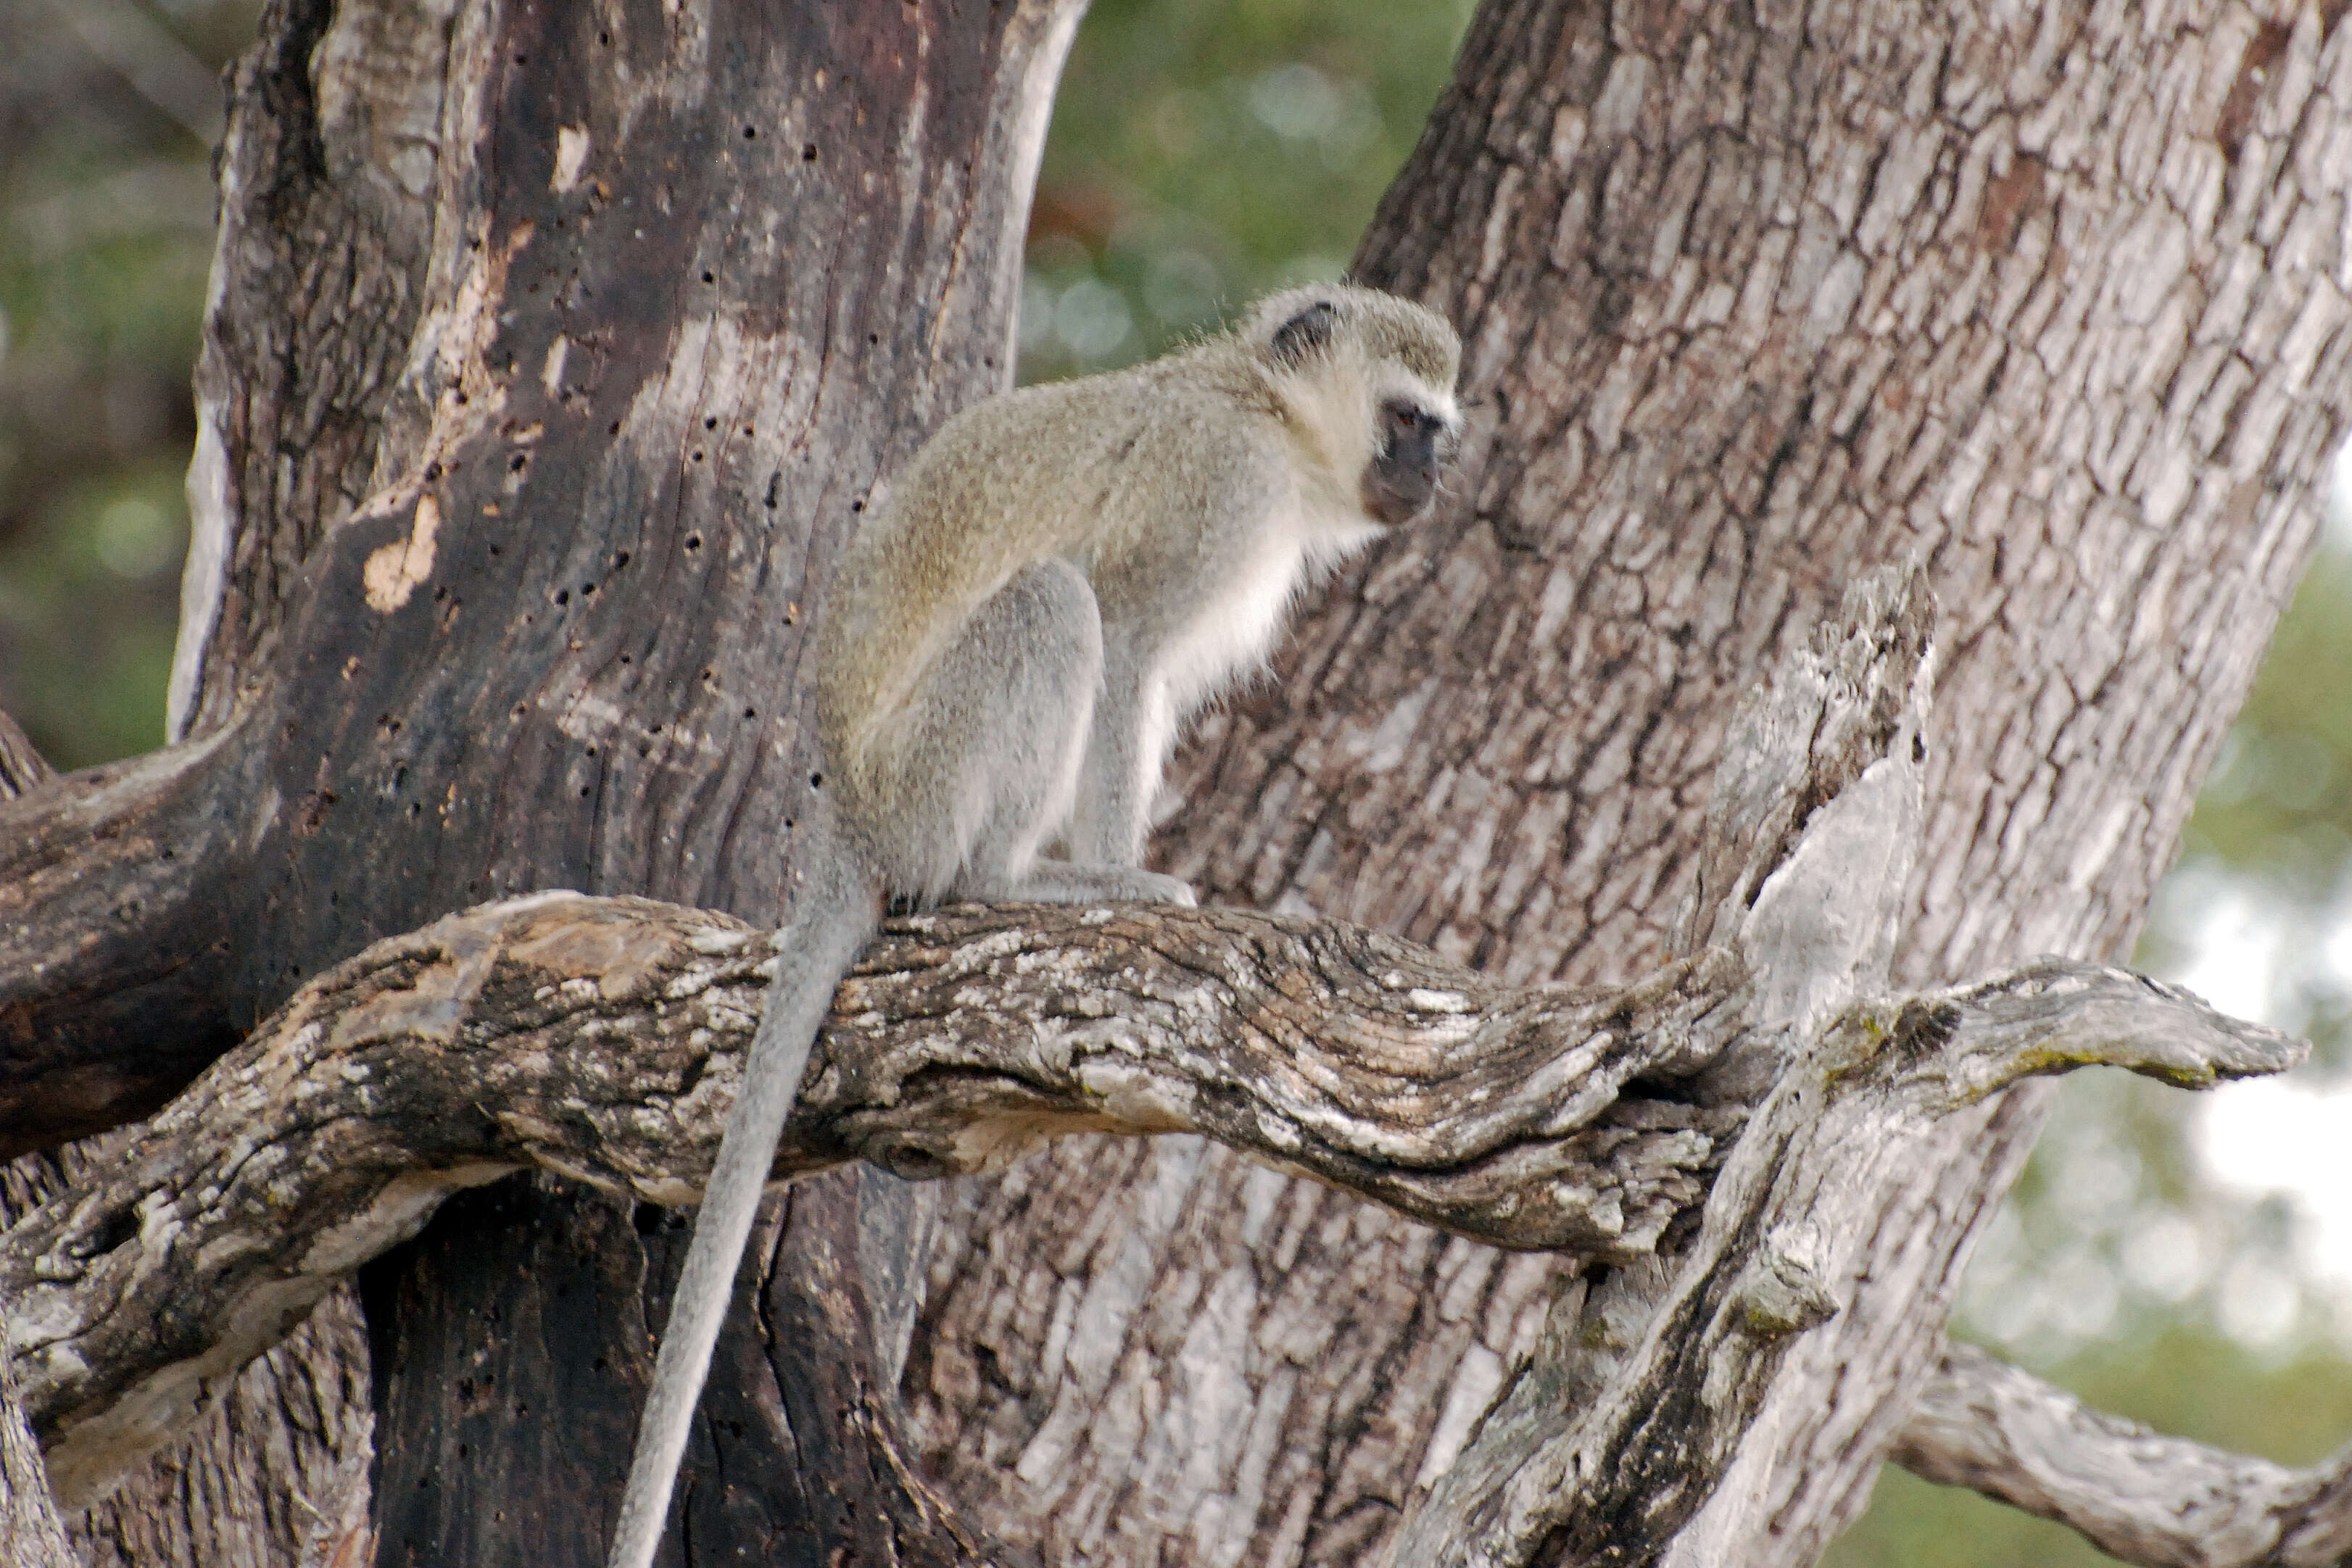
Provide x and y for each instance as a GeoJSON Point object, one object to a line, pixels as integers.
{"type": "Point", "coordinates": [554, 353]}
{"type": "Point", "coordinates": [1755, 296]}
{"type": "Point", "coordinates": [551, 356]}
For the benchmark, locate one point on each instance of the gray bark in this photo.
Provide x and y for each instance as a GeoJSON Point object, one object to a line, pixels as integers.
{"type": "Point", "coordinates": [603, 1039]}
{"type": "Point", "coordinates": [1757, 297]}
{"type": "Point", "coordinates": [2139, 1497]}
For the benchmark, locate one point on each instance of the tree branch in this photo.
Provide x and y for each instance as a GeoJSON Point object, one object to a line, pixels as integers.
{"type": "Point", "coordinates": [22, 766]}
{"type": "Point", "coordinates": [1623, 1464]}
{"type": "Point", "coordinates": [1636, 1429]}
{"type": "Point", "coordinates": [113, 939]}
{"type": "Point", "coordinates": [2152, 1500]}
{"type": "Point", "coordinates": [602, 1038]}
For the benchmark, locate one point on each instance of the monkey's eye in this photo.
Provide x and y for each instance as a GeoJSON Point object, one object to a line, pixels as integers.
{"type": "Point", "coordinates": [1406, 419]}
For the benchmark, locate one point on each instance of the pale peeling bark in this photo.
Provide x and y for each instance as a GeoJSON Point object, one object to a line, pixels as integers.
{"type": "Point", "coordinates": [2138, 1496]}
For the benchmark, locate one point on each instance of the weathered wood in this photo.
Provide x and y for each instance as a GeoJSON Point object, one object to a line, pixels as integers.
{"type": "Point", "coordinates": [2139, 1497]}
{"type": "Point", "coordinates": [684, 284]}
{"type": "Point", "coordinates": [551, 357]}
{"type": "Point", "coordinates": [1717, 381]}
{"type": "Point", "coordinates": [270, 1473]}
{"type": "Point", "coordinates": [31, 1534]}
{"type": "Point", "coordinates": [22, 766]}
{"type": "Point", "coordinates": [115, 951]}
{"type": "Point", "coordinates": [30, 1530]}
{"type": "Point", "coordinates": [1812, 831]}
{"type": "Point", "coordinates": [1627, 1464]}
{"type": "Point", "coordinates": [602, 1038]}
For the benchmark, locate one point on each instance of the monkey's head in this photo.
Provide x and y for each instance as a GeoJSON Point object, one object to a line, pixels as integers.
{"type": "Point", "coordinates": [1371, 376]}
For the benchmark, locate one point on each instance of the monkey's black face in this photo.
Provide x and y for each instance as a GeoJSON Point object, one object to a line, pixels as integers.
{"type": "Point", "coordinates": [1400, 480]}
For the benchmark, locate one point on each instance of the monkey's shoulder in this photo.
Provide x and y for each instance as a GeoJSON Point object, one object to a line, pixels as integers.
{"type": "Point", "coordinates": [1201, 394]}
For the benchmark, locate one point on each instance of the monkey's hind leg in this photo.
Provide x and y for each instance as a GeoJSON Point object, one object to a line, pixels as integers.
{"type": "Point", "coordinates": [1004, 723]}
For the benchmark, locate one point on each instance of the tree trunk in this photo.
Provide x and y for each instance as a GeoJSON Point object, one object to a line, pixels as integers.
{"type": "Point", "coordinates": [551, 357]}
{"type": "Point", "coordinates": [1755, 296]}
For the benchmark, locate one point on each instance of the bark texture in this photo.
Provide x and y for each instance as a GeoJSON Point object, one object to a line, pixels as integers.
{"type": "Point", "coordinates": [544, 378]}
{"type": "Point", "coordinates": [263, 1467]}
{"type": "Point", "coordinates": [31, 1534]}
{"type": "Point", "coordinates": [1756, 295]}
{"type": "Point", "coordinates": [30, 1530]}
{"type": "Point", "coordinates": [2141, 1498]}
{"type": "Point", "coordinates": [552, 354]}
{"type": "Point", "coordinates": [603, 1039]}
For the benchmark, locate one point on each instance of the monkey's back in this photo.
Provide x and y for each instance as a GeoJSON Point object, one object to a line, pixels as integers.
{"type": "Point", "coordinates": [1061, 470]}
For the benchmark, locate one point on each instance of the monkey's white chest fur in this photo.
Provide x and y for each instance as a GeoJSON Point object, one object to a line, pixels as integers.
{"type": "Point", "coordinates": [1234, 625]}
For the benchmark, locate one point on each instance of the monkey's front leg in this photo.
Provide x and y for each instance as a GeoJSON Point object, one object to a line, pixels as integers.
{"type": "Point", "coordinates": [1126, 745]}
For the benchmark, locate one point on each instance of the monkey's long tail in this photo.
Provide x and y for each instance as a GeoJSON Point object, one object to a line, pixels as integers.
{"type": "Point", "coordinates": [835, 915]}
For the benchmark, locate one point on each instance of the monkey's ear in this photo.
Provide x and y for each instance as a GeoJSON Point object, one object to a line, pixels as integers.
{"type": "Point", "coordinates": [1304, 336]}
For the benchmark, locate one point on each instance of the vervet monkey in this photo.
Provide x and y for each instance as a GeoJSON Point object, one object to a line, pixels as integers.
{"type": "Point", "coordinates": [1061, 575]}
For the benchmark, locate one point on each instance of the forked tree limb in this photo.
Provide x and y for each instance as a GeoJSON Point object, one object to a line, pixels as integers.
{"type": "Point", "coordinates": [602, 1038]}
{"type": "Point", "coordinates": [2139, 1497]}
{"type": "Point", "coordinates": [1638, 1429]}
{"type": "Point", "coordinates": [1617, 1463]}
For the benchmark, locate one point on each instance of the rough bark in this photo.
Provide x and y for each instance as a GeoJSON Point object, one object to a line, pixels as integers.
{"type": "Point", "coordinates": [603, 1039]}
{"type": "Point", "coordinates": [31, 1534]}
{"type": "Point", "coordinates": [113, 932]}
{"type": "Point", "coordinates": [551, 357]}
{"type": "Point", "coordinates": [266, 1474]}
{"type": "Point", "coordinates": [2141, 1498]}
{"type": "Point", "coordinates": [1755, 297]}
{"type": "Point", "coordinates": [30, 1530]}
{"type": "Point", "coordinates": [534, 406]}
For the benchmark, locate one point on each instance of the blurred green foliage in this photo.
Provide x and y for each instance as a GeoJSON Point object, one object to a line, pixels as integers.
{"type": "Point", "coordinates": [1203, 152]}
{"type": "Point", "coordinates": [106, 236]}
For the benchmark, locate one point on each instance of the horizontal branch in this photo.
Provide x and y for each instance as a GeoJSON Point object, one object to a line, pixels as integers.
{"type": "Point", "coordinates": [603, 1039]}
{"type": "Point", "coordinates": [2151, 1500]}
